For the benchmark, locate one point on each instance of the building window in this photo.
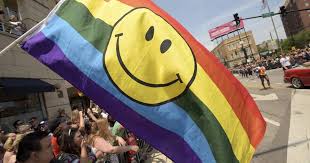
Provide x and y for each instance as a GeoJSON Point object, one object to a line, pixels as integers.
{"type": "Point", "coordinates": [11, 105]}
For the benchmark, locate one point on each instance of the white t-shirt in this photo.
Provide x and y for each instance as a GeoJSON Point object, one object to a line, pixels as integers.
{"type": "Point", "coordinates": [285, 61]}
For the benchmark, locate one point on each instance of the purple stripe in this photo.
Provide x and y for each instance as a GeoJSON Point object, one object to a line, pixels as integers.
{"type": "Point", "coordinates": [47, 52]}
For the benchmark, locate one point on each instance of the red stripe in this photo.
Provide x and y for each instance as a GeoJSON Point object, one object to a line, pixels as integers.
{"type": "Point", "coordinates": [238, 97]}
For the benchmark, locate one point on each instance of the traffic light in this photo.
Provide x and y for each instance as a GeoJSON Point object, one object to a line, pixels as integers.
{"type": "Point", "coordinates": [283, 11]}
{"type": "Point", "coordinates": [237, 19]}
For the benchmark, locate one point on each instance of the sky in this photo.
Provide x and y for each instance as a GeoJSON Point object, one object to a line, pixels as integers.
{"type": "Point", "coordinates": [199, 16]}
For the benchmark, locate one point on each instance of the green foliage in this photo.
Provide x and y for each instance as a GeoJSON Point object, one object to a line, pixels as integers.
{"type": "Point", "coordinates": [299, 40]}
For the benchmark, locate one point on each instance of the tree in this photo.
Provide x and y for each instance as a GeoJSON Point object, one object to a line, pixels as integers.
{"type": "Point", "coordinates": [262, 49]}
{"type": "Point", "coordinates": [299, 40]}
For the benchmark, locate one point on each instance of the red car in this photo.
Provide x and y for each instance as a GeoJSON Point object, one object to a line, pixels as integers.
{"type": "Point", "coordinates": [298, 77]}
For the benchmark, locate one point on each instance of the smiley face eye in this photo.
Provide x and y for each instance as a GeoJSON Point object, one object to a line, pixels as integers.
{"type": "Point", "coordinates": [149, 34]}
{"type": "Point", "coordinates": [165, 45]}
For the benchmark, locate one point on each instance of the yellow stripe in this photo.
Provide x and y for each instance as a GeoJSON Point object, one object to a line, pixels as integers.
{"type": "Point", "coordinates": [108, 11]}
{"type": "Point", "coordinates": [206, 90]}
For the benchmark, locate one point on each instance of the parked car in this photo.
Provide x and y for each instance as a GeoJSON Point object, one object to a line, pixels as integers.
{"type": "Point", "coordinates": [299, 76]}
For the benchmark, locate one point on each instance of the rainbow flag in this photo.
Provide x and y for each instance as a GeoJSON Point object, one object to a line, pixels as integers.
{"type": "Point", "coordinates": [140, 65]}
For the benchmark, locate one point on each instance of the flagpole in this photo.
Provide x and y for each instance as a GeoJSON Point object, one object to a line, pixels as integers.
{"type": "Point", "coordinates": [275, 29]}
{"type": "Point", "coordinates": [21, 38]}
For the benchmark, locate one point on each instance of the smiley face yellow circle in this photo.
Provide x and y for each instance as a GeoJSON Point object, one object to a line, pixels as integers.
{"type": "Point", "coordinates": [148, 60]}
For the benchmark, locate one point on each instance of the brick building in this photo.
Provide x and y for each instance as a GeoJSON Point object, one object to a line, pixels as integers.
{"type": "Point", "coordinates": [231, 53]}
{"type": "Point", "coordinates": [297, 21]}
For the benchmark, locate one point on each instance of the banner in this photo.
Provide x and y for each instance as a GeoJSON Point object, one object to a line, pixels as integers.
{"type": "Point", "coordinates": [225, 29]}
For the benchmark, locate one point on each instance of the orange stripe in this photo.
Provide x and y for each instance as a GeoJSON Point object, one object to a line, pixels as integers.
{"type": "Point", "coordinates": [237, 96]}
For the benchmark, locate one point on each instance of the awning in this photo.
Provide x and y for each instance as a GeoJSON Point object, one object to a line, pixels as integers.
{"type": "Point", "coordinates": [24, 86]}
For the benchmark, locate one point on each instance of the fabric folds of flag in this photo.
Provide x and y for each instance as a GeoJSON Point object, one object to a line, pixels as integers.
{"type": "Point", "coordinates": [140, 65]}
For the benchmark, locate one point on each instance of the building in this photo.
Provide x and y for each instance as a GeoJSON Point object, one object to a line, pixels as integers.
{"type": "Point", "coordinates": [27, 87]}
{"type": "Point", "coordinates": [296, 21]}
{"type": "Point", "coordinates": [232, 51]}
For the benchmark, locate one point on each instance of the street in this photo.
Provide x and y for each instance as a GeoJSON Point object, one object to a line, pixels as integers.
{"type": "Point", "coordinates": [287, 135]}
{"type": "Point", "coordinates": [275, 104]}
{"type": "Point", "coordinates": [276, 107]}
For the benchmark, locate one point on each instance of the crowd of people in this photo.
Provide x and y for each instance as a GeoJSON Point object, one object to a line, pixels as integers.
{"type": "Point", "coordinates": [86, 136]}
{"type": "Point", "coordinates": [258, 68]}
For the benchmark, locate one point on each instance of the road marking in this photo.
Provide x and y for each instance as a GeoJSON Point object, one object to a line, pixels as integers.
{"type": "Point", "coordinates": [272, 122]}
{"type": "Point", "coordinates": [270, 97]}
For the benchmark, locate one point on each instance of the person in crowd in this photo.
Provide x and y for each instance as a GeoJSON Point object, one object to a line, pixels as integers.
{"type": "Point", "coordinates": [62, 114]}
{"type": "Point", "coordinates": [17, 124]}
{"type": "Point", "coordinates": [307, 54]}
{"type": "Point", "coordinates": [241, 72]}
{"type": "Point", "coordinates": [70, 141]}
{"type": "Point", "coordinates": [111, 121]}
{"type": "Point", "coordinates": [249, 70]}
{"type": "Point", "coordinates": [299, 57]}
{"type": "Point", "coordinates": [94, 117]}
{"type": "Point", "coordinates": [263, 75]}
{"type": "Point", "coordinates": [43, 126]}
{"type": "Point", "coordinates": [118, 130]}
{"type": "Point", "coordinates": [2, 141]}
{"type": "Point", "coordinates": [2, 136]}
{"type": "Point", "coordinates": [73, 147]}
{"type": "Point", "coordinates": [10, 148]}
{"type": "Point", "coordinates": [35, 147]}
{"type": "Point", "coordinates": [245, 72]}
{"type": "Point", "coordinates": [34, 122]}
{"type": "Point", "coordinates": [292, 59]}
{"type": "Point", "coordinates": [256, 70]}
{"type": "Point", "coordinates": [105, 143]}
{"type": "Point", "coordinates": [285, 62]}
{"type": "Point", "coordinates": [11, 144]}
{"type": "Point", "coordinates": [56, 127]}
{"type": "Point", "coordinates": [2, 151]}
{"type": "Point", "coordinates": [97, 112]}
{"type": "Point", "coordinates": [77, 119]}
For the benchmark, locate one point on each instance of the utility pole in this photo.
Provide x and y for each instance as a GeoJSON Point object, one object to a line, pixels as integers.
{"type": "Point", "coordinates": [275, 29]}
{"type": "Point", "coordinates": [246, 35]}
{"type": "Point", "coordinates": [242, 48]}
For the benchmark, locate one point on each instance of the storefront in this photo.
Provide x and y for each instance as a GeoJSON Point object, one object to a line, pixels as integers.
{"type": "Point", "coordinates": [21, 99]}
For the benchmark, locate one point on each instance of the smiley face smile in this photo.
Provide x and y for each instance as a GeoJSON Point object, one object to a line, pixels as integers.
{"type": "Point", "coordinates": [118, 53]}
{"type": "Point", "coordinates": [148, 60]}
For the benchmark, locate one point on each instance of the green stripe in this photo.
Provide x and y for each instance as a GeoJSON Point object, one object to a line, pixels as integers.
{"type": "Point", "coordinates": [93, 30]}
{"type": "Point", "coordinates": [211, 128]}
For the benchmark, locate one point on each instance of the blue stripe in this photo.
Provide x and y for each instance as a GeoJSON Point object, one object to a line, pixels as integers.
{"type": "Point", "coordinates": [89, 60]}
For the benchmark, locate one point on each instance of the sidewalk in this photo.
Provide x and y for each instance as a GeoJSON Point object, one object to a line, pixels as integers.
{"type": "Point", "coordinates": [299, 133]}
{"type": "Point", "coordinates": [157, 157]}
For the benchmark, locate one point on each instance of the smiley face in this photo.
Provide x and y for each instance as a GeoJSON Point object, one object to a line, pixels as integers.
{"type": "Point", "coordinates": [148, 60]}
